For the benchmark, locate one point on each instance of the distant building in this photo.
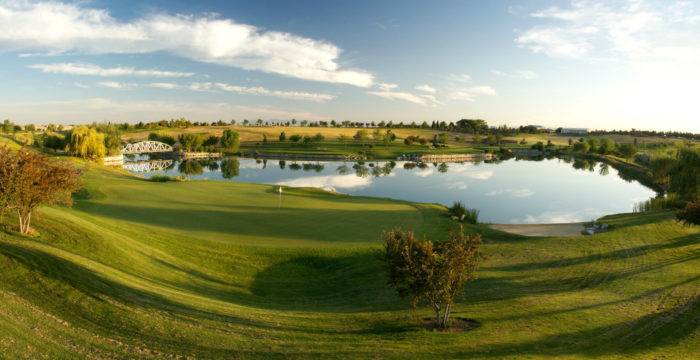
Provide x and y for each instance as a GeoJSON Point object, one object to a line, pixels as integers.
{"type": "Point", "coordinates": [574, 131]}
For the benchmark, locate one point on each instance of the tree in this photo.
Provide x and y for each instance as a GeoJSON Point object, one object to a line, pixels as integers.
{"type": "Point", "coordinates": [685, 181]}
{"type": "Point", "coordinates": [28, 180]}
{"type": "Point", "coordinates": [230, 168]}
{"type": "Point", "coordinates": [627, 150]}
{"type": "Point", "coordinates": [212, 140]}
{"type": "Point", "coordinates": [434, 272]}
{"type": "Point", "coordinates": [283, 136]}
{"type": "Point", "coordinates": [190, 142]}
{"type": "Point", "coordinates": [86, 142]}
{"type": "Point", "coordinates": [113, 143]}
{"type": "Point", "coordinates": [7, 126]}
{"type": "Point", "coordinates": [230, 140]}
{"type": "Point", "coordinates": [474, 126]}
{"type": "Point", "coordinates": [607, 146]}
{"type": "Point", "coordinates": [690, 215]}
{"type": "Point", "coordinates": [581, 147]}
{"type": "Point", "coordinates": [54, 142]}
{"type": "Point", "coordinates": [295, 138]}
{"type": "Point", "coordinates": [361, 136]}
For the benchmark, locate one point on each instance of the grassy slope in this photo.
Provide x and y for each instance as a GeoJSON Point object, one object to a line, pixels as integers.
{"type": "Point", "coordinates": [214, 269]}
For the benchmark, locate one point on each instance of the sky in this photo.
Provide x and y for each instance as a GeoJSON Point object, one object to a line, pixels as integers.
{"type": "Point", "coordinates": [595, 64]}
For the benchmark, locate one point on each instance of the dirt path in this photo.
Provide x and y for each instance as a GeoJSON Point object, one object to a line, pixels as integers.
{"type": "Point", "coordinates": [568, 229]}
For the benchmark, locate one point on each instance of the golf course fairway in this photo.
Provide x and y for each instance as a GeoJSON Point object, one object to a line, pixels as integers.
{"type": "Point", "coordinates": [209, 269]}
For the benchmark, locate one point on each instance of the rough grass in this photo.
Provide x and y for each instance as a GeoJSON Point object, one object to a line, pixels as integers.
{"type": "Point", "coordinates": [222, 270]}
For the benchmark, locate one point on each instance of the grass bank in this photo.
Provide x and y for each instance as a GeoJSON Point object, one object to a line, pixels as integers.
{"type": "Point", "coordinates": [225, 270]}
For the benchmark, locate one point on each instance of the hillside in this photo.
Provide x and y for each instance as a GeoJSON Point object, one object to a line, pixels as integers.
{"type": "Point", "coordinates": [227, 270]}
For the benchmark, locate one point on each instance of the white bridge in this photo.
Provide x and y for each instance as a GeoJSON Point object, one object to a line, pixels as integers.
{"type": "Point", "coordinates": [146, 147]}
{"type": "Point", "coordinates": [147, 166]}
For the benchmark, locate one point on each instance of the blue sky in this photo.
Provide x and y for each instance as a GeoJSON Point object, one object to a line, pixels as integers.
{"type": "Point", "coordinates": [597, 64]}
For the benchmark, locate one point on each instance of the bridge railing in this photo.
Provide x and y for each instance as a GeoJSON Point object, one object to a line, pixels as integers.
{"type": "Point", "coordinates": [146, 147]}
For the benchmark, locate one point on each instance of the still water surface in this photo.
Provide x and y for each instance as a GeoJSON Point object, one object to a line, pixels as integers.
{"type": "Point", "coordinates": [511, 191]}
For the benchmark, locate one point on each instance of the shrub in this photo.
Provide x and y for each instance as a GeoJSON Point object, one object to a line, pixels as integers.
{"type": "Point", "coordinates": [211, 141]}
{"type": "Point", "coordinates": [464, 214]}
{"type": "Point", "coordinates": [295, 138]}
{"type": "Point", "coordinates": [161, 178]}
{"type": "Point", "coordinates": [690, 215]}
{"type": "Point", "coordinates": [433, 272]}
{"type": "Point", "coordinates": [283, 136]}
{"type": "Point", "coordinates": [538, 146]}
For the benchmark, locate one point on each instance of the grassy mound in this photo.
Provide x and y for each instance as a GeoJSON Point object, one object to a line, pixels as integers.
{"type": "Point", "coordinates": [226, 270]}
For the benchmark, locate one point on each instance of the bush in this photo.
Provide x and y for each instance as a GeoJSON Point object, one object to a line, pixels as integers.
{"type": "Point", "coordinates": [283, 136]}
{"type": "Point", "coordinates": [538, 146]}
{"type": "Point", "coordinates": [295, 138]}
{"type": "Point", "coordinates": [211, 141]}
{"type": "Point", "coordinates": [462, 213]}
{"type": "Point", "coordinates": [161, 178]}
{"type": "Point", "coordinates": [690, 215]}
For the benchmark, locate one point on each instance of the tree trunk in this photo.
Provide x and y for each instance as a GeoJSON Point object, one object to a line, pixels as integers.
{"type": "Point", "coordinates": [24, 221]}
{"type": "Point", "coordinates": [446, 316]}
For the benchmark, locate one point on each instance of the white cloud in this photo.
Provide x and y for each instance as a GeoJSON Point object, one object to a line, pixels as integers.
{"type": "Point", "coordinates": [472, 173]}
{"type": "Point", "coordinates": [518, 74]}
{"type": "Point", "coordinates": [460, 77]}
{"type": "Point", "coordinates": [261, 91]}
{"type": "Point", "coordinates": [330, 182]}
{"type": "Point", "coordinates": [471, 93]}
{"type": "Point", "coordinates": [560, 217]}
{"type": "Point", "coordinates": [81, 85]}
{"type": "Point", "coordinates": [424, 172]}
{"type": "Point", "coordinates": [56, 27]}
{"type": "Point", "coordinates": [624, 29]}
{"type": "Point", "coordinates": [386, 86]}
{"type": "Point", "coordinates": [427, 88]}
{"type": "Point", "coordinates": [519, 193]}
{"type": "Point", "coordinates": [404, 96]}
{"type": "Point", "coordinates": [160, 85]}
{"type": "Point", "coordinates": [115, 85]}
{"type": "Point", "coordinates": [102, 110]}
{"type": "Point", "coordinates": [95, 70]}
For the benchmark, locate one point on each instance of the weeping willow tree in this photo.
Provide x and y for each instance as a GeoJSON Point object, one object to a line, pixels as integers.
{"type": "Point", "coordinates": [86, 143]}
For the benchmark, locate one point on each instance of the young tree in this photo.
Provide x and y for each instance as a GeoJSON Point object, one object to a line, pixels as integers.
{"type": "Point", "coordinates": [86, 143]}
{"type": "Point", "coordinates": [627, 150]}
{"type": "Point", "coordinates": [434, 272]}
{"type": "Point", "coordinates": [685, 181]}
{"type": "Point", "coordinates": [191, 142]}
{"type": "Point", "coordinates": [28, 180]}
{"type": "Point", "coordinates": [230, 140]}
{"type": "Point", "coordinates": [113, 143]}
{"type": "Point", "coordinates": [361, 136]}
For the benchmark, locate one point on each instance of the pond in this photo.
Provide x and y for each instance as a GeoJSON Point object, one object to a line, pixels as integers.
{"type": "Point", "coordinates": [510, 191]}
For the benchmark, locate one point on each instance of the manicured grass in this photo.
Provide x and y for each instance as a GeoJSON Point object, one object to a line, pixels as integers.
{"type": "Point", "coordinates": [224, 270]}
{"type": "Point", "coordinates": [370, 150]}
